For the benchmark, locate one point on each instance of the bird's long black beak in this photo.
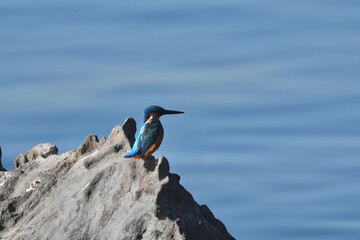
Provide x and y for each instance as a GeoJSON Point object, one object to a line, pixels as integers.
{"type": "Point", "coordinates": [171, 112]}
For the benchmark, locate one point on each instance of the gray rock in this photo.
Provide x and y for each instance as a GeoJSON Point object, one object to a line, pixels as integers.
{"type": "Point", "coordinates": [42, 150]}
{"type": "Point", "coordinates": [1, 166]}
{"type": "Point", "coordinates": [95, 193]}
{"type": "Point", "coordinates": [90, 144]}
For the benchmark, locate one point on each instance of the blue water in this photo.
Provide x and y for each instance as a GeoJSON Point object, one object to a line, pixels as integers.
{"type": "Point", "coordinates": [270, 138]}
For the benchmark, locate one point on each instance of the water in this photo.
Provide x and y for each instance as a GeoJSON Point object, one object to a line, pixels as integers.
{"type": "Point", "coordinates": [270, 136]}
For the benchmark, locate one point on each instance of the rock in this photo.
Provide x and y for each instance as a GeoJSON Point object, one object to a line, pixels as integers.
{"type": "Point", "coordinates": [20, 160]}
{"type": "Point", "coordinates": [90, 144]}
{"type": "Point", "coordinates": [1, 166]}
{"type": "Point", "coordinates": [42, 150]}
{"type": "Point", "coordinates": [95, 193]}
{"type": "Point", "coordinates": [33, 185]}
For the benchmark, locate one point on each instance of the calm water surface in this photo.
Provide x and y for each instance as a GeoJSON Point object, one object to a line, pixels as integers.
{"type": "Point", "coordinates": [271, 137]}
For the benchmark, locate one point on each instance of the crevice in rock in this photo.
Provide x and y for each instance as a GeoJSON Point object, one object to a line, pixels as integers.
{"type": "Point", "coordinates": [150, 164]}
{"type": "Point", "coordinates": [91, 187]}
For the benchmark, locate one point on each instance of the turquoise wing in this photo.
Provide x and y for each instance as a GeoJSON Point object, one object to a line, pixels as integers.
{"type": "Point", "coordinates": [136, 147]}
{"type": "Point", "coordinates": [150, 135]}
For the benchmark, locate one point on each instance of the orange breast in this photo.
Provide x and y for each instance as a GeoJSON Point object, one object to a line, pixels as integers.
{"type": "Point", "coordinates": [155, 146]}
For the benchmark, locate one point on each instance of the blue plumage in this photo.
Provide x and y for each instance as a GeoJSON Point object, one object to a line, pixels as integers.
{"type": "Point", "coordinates": [151, 133]}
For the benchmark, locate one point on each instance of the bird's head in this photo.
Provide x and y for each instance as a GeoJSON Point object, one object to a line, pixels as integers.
{"type": "Point", "coordinates": [155, 112]}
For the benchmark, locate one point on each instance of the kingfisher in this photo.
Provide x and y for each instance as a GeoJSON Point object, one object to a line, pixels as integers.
{"type": "Point", "coordinates": [151, 133]}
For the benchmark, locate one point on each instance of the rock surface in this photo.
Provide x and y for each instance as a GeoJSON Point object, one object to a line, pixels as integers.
{"type": "Point", "coordinates": [95, 193]}
{"type": "Point", "coordinates": [1, 166]}
{"type": "Point", "coordinates": [42, 150]}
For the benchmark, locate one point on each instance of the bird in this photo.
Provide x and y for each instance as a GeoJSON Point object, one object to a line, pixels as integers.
{"type": "Point", "coordinates": [151, 133]}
